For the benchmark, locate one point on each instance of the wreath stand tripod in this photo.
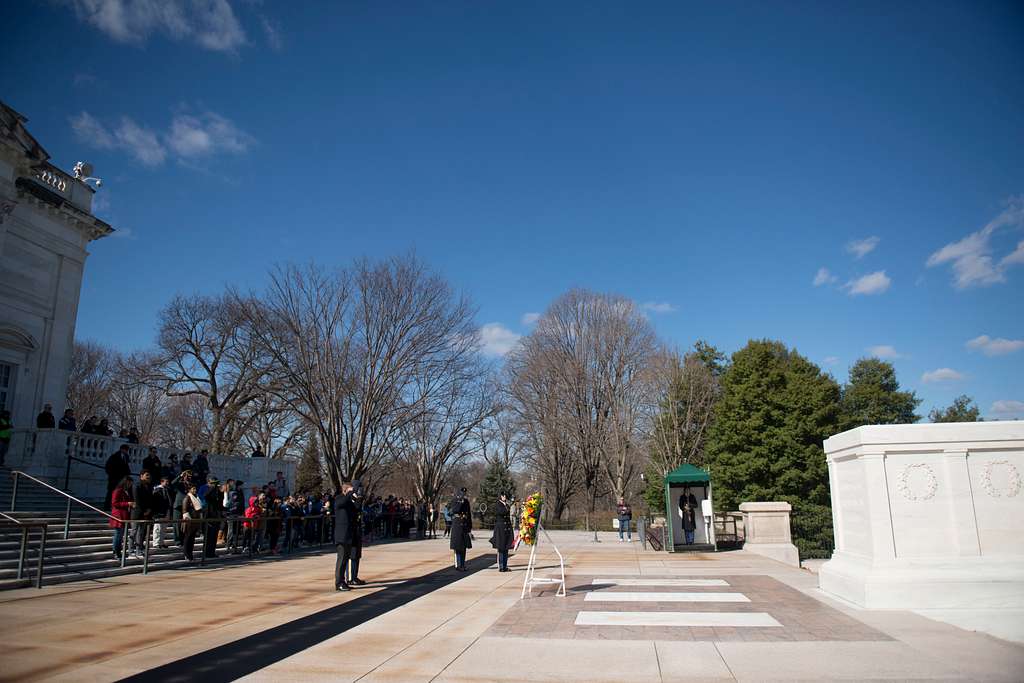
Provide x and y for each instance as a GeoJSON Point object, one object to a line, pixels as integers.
{"type": "Point", "coordinates": [531, 579]}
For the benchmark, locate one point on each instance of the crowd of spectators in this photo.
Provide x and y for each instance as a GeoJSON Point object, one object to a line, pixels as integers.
{"type": "Point", "coordinates": [185, 498]}
{"type": "Point", "coordinates": [92, 425]}
{"type": "Point", "coordinates": [254, 519]}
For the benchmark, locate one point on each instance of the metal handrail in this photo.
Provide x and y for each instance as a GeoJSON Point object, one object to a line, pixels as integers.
{"type": "Point", "coordinates": [24, 527]}
{"type": "Point", "coordinates": [67, 510]}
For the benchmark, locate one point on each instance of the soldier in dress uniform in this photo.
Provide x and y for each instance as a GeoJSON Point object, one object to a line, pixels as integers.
{"type": "Point", "coordinates": [503, 537]}
{"type": "Point", "coordinates": [348, 538]}
{"type": "Point", "coordinates": [462, 525]}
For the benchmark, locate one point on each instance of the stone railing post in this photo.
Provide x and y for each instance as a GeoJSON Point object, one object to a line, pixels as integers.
{"type": "Point", "coordinates": [767, 532]}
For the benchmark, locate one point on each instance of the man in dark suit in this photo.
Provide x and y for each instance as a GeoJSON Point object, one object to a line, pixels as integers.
{"type": "Point", "coordinates": [214, 512]}
{"type": "Point", "coordinates": [462, 527]}
{"type": "Point", "coordinates": [345, 521]}
{"type": "Point", "coordinates": [142, 496]}
{"type": "Point", "coordinates": [45, 419]}
{"type": "Point", "coordinates": [117, 468]}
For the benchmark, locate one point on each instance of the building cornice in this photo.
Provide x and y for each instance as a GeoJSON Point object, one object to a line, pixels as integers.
{"type": "Point", "coordinates": [48, 201]}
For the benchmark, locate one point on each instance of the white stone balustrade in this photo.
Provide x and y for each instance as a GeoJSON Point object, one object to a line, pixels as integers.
{"type": "Point", "coordinates": [78, 193]}
{"type": "Point", "coordinates": [928, 516]}
{"type": "Point", "coordinates": [44, 453]}
{"type": "Point", "coordinates": [767, 531]}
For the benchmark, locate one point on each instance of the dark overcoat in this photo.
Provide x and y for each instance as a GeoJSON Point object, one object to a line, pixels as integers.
{"type": "Point", "coordinates": [462, 524]}
{"type": "Point", "coordinates": [503, 536]}
{"type": "Point", "coordinates": [347, 524]}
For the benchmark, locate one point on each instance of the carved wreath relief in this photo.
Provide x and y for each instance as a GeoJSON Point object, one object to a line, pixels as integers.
{"type": "Point", "coordinates": [917, 482]}
{"type": "Point", "coordinates": [1012, 479]}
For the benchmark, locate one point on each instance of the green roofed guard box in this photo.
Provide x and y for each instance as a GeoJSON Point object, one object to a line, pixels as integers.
{"type": "Point", "coordinates": [688, 480]}
{"type": "Point", "coordinates": [688, 474]}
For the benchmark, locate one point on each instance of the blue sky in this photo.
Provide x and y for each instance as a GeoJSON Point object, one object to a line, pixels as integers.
{"type": "Point", "coordinates": [707, 160]}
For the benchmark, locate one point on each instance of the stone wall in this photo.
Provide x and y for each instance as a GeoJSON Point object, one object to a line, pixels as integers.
{"type": "Point", "coordinates": [767, 531]}
{"type": "Point", "coordinates": [44, 453]}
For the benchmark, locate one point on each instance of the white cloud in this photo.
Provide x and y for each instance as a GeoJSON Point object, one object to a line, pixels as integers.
{"type": "Point", "coordinates": [941, 375]}
{"type": "Point", "coordinates": [530, 319]}
{"type": "Point", "coordinates": [659, 307]}
{"type": "Point", "coordinates": [1015, 257]}
{"type": "Point", "coordinates": [831, 360]}
{"type": "Point", "coordinates": [1008, 408]}
{"type": "Point", "coordinates": [142, 143]}
{"type": "Point", "coordinates": [824, 277]}
{"type": "Point", "coordinates": [884, 351]}
{"type": "Point", "coordinates": [995, 347]}
{"type": "Point", "coordinates": [497, 340]}
{"type": "Point", "coordinates": [273, 34]}
{"type": "Point", "coordinates": [873, 283]}
{"type": "Point", "coordinates": [861, 248]}
{"type": "Point", "coordinates": [971, 257]}
{"type": "Point", "coordinates": [189, 137]}
{"type": "Point", "coordinates": [194, 136]}
{"type": "Point", "coordinates": [91, 131]}
{"type": "Point", "coordinates": [211, 24]}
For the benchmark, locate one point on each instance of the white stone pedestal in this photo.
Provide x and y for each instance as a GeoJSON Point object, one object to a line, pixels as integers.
{"type": "Point", "coordinates": [766, 531]}
{"type": "Point", "coordinates": [928, 516]}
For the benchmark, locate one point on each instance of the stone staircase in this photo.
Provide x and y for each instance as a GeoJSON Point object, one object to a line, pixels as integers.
{"type": "Point", "coordinates": [85, 554]}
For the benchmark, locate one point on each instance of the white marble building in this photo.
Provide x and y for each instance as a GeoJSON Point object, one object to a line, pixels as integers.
{"type": "Point", "coordinates": [46, 224]}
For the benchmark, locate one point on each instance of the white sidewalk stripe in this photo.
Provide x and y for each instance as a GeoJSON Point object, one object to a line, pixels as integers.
{"type": "Point", "coordinates": [737, 619]}
{"type": "Point", "coordinates": [659, 582]}
{"type": "Point", "coordinates": [665, 597]}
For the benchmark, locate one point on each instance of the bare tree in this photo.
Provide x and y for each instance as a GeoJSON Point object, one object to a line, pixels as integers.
{"type": "Point", "coordinates": [500, 438]}
{"type": "Point", "coordinates": [89, 380]}
{"type": "Point", "coordinates": [537, 402]}
{"type": "Point", "coordinates": [688, 394]}
{"type": "Point", "coordinates": [587, 365]}
{"type": "Point", "coordinates": [347, 347]}
{"type": "Point", "coordinates": [204, 350]}
{"type": "Point", "coordinates": [274, 429]}
{"type": "Point", "coordinates": [453, 401]}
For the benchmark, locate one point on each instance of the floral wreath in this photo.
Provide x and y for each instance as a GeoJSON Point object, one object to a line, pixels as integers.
{"type": "Point", "coordinates": [931, 483]}
{"type": "Point", "coordinates": [990, 489]}
{"type": "Point", "coordinates": [529, 518]}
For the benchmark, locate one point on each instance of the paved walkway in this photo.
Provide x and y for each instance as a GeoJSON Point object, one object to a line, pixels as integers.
{"type": "Point", "coordinates": [629, 616]}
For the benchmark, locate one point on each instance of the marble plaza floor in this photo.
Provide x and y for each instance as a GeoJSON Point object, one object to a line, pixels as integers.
{"type": "Point", "coordinates": [629, 616]}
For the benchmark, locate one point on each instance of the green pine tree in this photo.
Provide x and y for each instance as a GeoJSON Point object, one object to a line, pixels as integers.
{"type": "Point", "coordinates": [872, 396]}
{"type": "Point", "coordinates": [309, 475]}
{"type": "Point", "coordinates": [963, 409]}
{"type": "Point", "coordinates": [497, 480]}
{"type": "Point", "coordinates": [775, 411]}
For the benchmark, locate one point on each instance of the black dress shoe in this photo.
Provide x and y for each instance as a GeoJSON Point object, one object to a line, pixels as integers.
{"type": "Point", "coordinates": [358, 582]}
{"type": "Point", "coordinates": [343, 587]}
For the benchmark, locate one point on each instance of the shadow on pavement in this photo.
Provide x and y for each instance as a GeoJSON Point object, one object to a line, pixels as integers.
{"type": "Point", "coordinates": [241, 657]}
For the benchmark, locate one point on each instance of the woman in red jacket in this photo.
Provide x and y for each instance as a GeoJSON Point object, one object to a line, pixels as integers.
{"type": "Point", "coordinates": [121, 508]}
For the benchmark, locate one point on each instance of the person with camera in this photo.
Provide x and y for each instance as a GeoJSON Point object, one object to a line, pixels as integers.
{"type": "Point", "coordinates": [348, 537]}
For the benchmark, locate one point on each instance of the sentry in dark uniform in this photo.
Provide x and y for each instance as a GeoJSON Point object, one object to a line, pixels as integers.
{"type": "Point", "coordinates": [348, 538]}
{"type": "Point", "coordinates": [503, 537]}
{"type": "Point", "coordinates": [462, 525]}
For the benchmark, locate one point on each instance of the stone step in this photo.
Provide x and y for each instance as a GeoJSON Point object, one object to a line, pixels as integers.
{"type": "Point", "coordinates": [92, 561]}
{"type": "Point", "coordinates": [97, 574]}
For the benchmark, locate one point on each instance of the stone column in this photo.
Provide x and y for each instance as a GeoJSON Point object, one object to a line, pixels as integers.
{"type": "Point", "coordinates": [767, 532]}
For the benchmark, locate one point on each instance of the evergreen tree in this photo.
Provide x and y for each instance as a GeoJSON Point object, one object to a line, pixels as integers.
{"type": "Point", "coordinates": [309, 475]}
{"type": "Point", "coordinates": [872, 396]}
{"type": "Point", "coordinates": [497, 481]}
{"type": "Point", "coordinates": [765, 444]}
{"type": "Point", "coordinates": [962, 410]}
